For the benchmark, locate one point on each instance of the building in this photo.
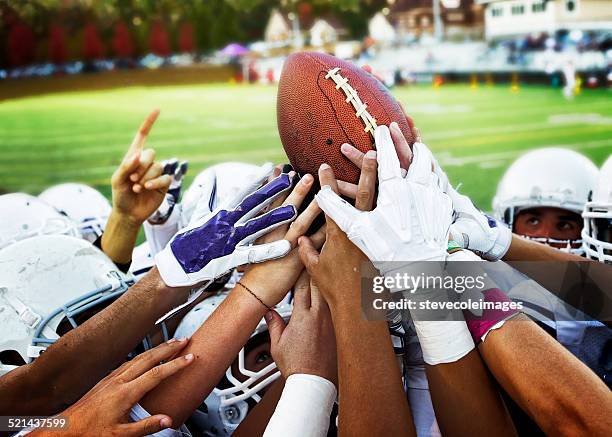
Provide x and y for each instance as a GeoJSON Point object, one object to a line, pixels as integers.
{"type": "Point", "coordinates": [278, 29]}
{"type": "Point", "coordinates": [509, 18]}
{"type": "Point", "coordinates": [460, 18]}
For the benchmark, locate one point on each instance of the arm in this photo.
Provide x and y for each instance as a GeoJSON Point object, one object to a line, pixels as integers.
{"type": "Point", "coordinates": [256, 422]}
{"type": "Point", "coordinates": [365, 351]}
{"type": "Point", "coordinates": [138, 188]}
{"type": "Point", "coordinates": [105, 409]}
{"type": "Point", "coordinates": [220, 338]}
{"type": "Point", "coordinates": [459, 383]}
{"type": "Point", "coordinates": [79, 359]}
{"type": "Point", "coordinates": [558, 391]}
{"type": "Point", "coordinates": [522, 249]}
{"type": "Point", "coordinates": [305, 353]}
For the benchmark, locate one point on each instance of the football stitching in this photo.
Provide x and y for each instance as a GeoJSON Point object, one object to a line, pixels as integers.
{"type": "Point", "coordinates": [352, 97]}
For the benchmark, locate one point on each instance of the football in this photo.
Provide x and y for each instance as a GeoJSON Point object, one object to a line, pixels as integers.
{"type": "Point", "coordinates": [324, 102]}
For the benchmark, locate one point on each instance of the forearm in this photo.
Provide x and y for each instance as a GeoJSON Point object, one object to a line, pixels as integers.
{"type": "Point", "coordinates": [304, 408]}
{"type": "Point", "coordinates": [79, 359]}
{"type": "Point", "coordinates": [214, 345]}
{"type": "Point", "coordinates": [522, 249]}
{"type": "Point", "coordinates": [559, 392]}
{"type": "Point", "coordinates": [368, 374]}
{"type": "Point", "coordinates": [119, 238]}
{"type": "Point", "coordinates": [257, 420]}
{"type": "Point", "coordinates": [464, 389]}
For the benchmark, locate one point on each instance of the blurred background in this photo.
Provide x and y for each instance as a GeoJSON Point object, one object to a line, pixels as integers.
{"type": "Point", "coordinates": [484, 80]}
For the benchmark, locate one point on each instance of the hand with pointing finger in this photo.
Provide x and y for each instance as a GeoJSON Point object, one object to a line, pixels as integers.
{"type": "Point", "coordinates": [138, 184]}
{"type": "Point", "coordinates": [105, 409]}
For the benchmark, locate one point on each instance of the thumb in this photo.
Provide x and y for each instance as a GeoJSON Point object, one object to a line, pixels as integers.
{"type": "Point", "coordinates": [276, 326]}
{"type": "Point", "coordinates": [148, 426]}
{"type": "Point", "coordinates": [308, 254]}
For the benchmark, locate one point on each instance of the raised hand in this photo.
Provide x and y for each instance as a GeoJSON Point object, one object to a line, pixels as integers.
{"type": "Point", "coordinates": [212, 245]}
{"type": "Point", "coordinates": [413, 215]}
{"type": "Point", "coordinates": [307, 344]}
{"type": "Point", "coordinates": [138, 184]}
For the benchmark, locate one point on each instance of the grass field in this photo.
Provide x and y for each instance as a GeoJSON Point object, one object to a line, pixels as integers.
{"type": "Point", "coordinates": [475, 133]}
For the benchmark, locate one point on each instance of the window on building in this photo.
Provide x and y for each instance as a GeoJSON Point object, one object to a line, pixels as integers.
{"type": "Point", "coordinates": [518, 9]}
{"type": "Point", "coordinates": [538, 6]}
{"type": "Point", "coordinates": [571, 6]}
{"type": "Point", "coordinates": [497, 11]}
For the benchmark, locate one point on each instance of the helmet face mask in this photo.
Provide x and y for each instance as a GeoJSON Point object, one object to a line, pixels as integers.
{"type": "Point", "coordinates": [50, 285]}
{"type": "Point", "coordinates": [564, 182]}
{"type": "Point", "coordinates": [84, 205]}
{"type": "Point", "coordinates": [31, 217]}
{"type": "Point", "coordinates": [597, 232]}
{"type": "Point", "coordinates": [244, 382]}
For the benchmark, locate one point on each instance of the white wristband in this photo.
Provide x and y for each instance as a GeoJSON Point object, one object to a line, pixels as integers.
{"type": "Point", "coordinates": [443, 341]}
{"type": "Point", "coordinates": [304, 408]}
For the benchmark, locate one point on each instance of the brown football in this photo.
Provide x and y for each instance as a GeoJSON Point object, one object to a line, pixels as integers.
{"type": "Point", "coordinates": [324, 102]}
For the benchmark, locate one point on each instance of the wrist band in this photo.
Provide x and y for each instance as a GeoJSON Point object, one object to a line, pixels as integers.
{"type": "Point", "coordinates": [253, 294]}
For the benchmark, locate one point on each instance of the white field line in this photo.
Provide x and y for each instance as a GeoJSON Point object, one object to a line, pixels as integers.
{"type": "Point", "coordinates": [446, 159]}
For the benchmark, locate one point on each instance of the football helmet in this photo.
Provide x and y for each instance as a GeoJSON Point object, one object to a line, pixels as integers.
{"type": "Point", "coordinates": [86, 206]}
{"type": "Point", "coordinates": [597, 231]}
{"type": "Point", "coordinates": [49, 285]}
{"type": "Point", "coordinates": [548, 177]}
{"type": "Point", "coordinates": [228, 179]}
{"type": "Point", "coordinates": [25, 216]}
{"type": "Point", "coordinates": [233, 397]}
{"type": "Point", "coordinates": [142, 261]}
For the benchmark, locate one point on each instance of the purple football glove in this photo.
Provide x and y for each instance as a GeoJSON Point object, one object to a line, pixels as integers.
{"type": "Point", "coordinates": [220, 241]}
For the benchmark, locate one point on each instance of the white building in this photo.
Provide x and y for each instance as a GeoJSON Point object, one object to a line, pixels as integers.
{"type": "Point", "coordinates": [506, 18]}
{"type": "Point", "coordinates": [277, 29]}
{"type": "Point", "coordinates": [380, 29]}
{"type": "Point", "coordinates": [322, 33]}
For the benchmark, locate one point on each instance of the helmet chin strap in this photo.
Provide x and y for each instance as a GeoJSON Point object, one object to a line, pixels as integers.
{"type": "Point", "coordinates": [26, 314]}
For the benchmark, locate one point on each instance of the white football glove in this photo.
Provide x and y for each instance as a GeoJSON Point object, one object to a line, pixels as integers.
{"type": "Point", "coordinates": [410, 223]}
{"type": "Point", "coordinates": [472, 229]}
{"type": "Point", "coordinates": [412, 217]}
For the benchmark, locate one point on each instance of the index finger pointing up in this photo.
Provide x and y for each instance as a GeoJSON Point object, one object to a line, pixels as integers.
{"type": "Point", "coordinates": [143, 131]}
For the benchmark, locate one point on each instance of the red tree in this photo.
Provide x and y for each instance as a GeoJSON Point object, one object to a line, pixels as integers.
{"type": "Point", "coordinates": [186, 43]}
{"type": "Point", "coordinates": [57, 44]}
{"type": "Point", "coordinates": [158, 39]}
{"type": "Point", "coordinates": [123, 47]}
{"type": "Point", "coordinates": [92, 44]}
{"type": "Point", "coordinates": [21, 44]}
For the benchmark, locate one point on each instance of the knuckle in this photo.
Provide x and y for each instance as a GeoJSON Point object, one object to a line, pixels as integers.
{"type": "Point", "coordinates": [156, 372]}
{"type": "Point", "coordinates": [363, 194]}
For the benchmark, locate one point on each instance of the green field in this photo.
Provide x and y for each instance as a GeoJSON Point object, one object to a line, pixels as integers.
{"type": "Point", "coordinates": [475, 133]}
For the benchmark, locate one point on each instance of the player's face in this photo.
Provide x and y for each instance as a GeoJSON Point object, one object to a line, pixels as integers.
{"type": "Point", "coordinates": [257, 356]}
{"type": "Point", "coordinates": [551, 223]}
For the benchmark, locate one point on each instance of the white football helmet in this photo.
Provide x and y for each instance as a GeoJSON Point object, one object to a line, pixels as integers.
{"type": "Point", "coordinates": [23, 216]}
{"type": "Point", "coordinates": [233, 397]}
{"type": "Point", "coordinates": [83, 204]}
{"type": "Point", "coordinates": [49, 285]}
{"type": "Point", "coordinates": [142, 261]}
{"type": "Point", "coordinates": [597, 231]}
{"type": "Point", "coordinates": [228, 178]}
{"type": "Point", "coordinates": [549, 177]}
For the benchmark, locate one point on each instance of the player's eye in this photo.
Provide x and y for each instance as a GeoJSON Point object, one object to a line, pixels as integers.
{"type": "Point", "coordinates": [565, 226]}
{"type": "Point", "coordinates": [533, 221]}
{"type": "Point", "coordinates": [263, 357]}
